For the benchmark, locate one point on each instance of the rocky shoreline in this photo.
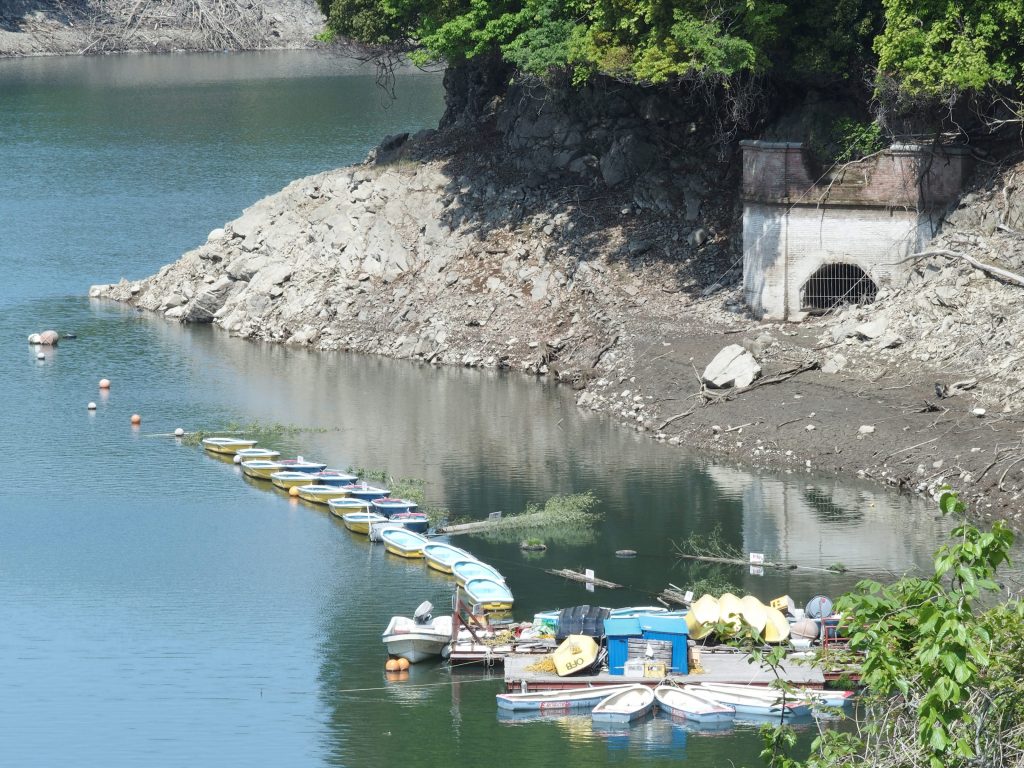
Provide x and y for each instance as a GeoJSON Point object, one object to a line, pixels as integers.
{"type": "Point", "coordinates": [57, 27]}
{"type": "Point", "coordinates": [469, 246]}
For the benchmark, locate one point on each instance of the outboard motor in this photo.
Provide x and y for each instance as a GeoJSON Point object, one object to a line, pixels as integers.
{"type": "Point", "coordinates": [422, 614]}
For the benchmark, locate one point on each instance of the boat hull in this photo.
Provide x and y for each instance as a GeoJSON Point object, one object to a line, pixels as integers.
{"type": "Point", "coordinates": [259, 471]}
{"type": "Point", "coordinates": [403, 543]}
{"type": "Point", "coordinates": [416, 647]}
{"type": "Point", "coordinates": [288, 480]}
{"type": "Point", "coordinates": [685, 705]}
{"type": "Point", "coordinates": [412, 521]}
{"type": "Point", "coordinates": [226, 447]}
{"type": "Point", "coordinates": [487, 597]}
{"type": "Point", "coordinates": [755, 703]}
{"type": "Point", "coordinates": [554, 701]}
{"type": "Point", "coordinates": [360, 522]}
{"type": "Point", "coordinates": [322, 495]}
{"type": "Point", "coordinates": [625, 707]}
{"type": "Point", "coordinates": [466, 570]}
{"type": "Point", "coordinates": [441, 557]}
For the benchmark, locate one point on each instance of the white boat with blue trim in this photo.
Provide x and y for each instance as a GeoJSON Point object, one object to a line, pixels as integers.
{"type": "Point", "coordinates": [624, 706]}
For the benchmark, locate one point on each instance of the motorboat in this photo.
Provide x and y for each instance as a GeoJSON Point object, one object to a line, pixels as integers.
{"type": "Point", "coordinates": [228, 446]}
{"type": "Point", "coordinates": [420, 638]}
{"type": "Point", "coordinates": [691, 705]}
{"type": "Point", "coordinates": [624, 706]}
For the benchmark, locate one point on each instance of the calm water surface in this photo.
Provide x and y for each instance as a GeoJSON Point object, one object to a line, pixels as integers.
{"type": "Point", "coordinates": [160, 610]}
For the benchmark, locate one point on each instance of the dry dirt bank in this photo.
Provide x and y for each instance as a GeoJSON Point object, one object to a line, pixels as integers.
{"type": "Point", "coordinates": [49, 27]}
{"type": "Point", "coordinates": [617, 273]}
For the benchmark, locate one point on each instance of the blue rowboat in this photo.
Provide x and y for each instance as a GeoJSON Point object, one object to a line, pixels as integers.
{"type": "Point", "coordinates": [334, 477]}
{"type": "Point", "coordinates": [388, 506]}
{"type": "Point", "coordinates": [489, 595]}
{"type": "Point", "coordinates": [403, 543]}
{"type": "Point", "coordinates": [365, 492]}
{"type": "Point", "coordinates": [689, 704]}
{"type": "Point", "coordinates": [546, 701]}
{"type": "Point", "coordinates": [440, 556]}
{"type": "Point", "coordinates": [624, 706]}
{"type": "Point", "coordinates": [417, 522]}
{"type": "Point", "coordinates": [470, 568]}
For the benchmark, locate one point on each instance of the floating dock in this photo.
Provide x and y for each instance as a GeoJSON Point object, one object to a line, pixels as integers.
{"type": "Point", "coordinates": [716, 667]}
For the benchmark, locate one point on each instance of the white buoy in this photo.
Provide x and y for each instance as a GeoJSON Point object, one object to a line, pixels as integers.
{"type": "Point", "coordinates": [179, 432]}
{"type": "Point", "coordinates": [91, 406]}
{"type": "Point", "coordinates": [237, 459]}
{"type": "Point", "coordinates": [40, 356]}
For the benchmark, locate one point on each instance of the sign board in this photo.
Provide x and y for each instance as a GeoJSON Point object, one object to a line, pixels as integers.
{"type": "Point", "coordinates": [757, 558]}
{"type": "Point", "coordinates": [688, 597]}
{"type": "Point", "coordinates": [589, 573]}
{"type": "Point", "coordinates": [494, 516]}
{"type": "Point", "coordinates": [757, 570]}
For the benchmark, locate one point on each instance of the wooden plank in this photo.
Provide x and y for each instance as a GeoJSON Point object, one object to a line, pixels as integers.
{"type": "Point", "coordinates": [565, 573]}
{"type": "Point", "coordinates": [535, 518]}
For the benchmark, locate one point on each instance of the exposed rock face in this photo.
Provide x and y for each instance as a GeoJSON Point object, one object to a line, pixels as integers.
{"type": "Point", "coordinates": [34, 27]}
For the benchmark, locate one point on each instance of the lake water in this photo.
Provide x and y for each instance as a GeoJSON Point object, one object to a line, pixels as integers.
{"type": "Point", "coordinates": [157, 609]}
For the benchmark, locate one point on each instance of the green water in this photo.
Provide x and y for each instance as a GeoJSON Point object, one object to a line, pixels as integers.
{"type": "Point", "coordinates": [157, 609]}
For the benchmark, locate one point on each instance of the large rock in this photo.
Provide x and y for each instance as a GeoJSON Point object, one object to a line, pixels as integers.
{"type": "Point", "coordinates": [627, 157]}
{"type": "Point", "coordinates": [207, 303]}
{"type": "Point", "coordinates": [732, 367]}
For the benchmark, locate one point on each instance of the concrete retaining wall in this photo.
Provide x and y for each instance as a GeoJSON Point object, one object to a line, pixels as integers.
{"type": "Point", "coordinates": [872, 214]}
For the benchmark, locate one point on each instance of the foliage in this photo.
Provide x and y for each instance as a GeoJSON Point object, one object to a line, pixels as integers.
{"type": "Point", "coordinates": [715, 583]}
{"type": "Point", "coordinates": [942, 676]}
{"type": "Point", "coordinates": [938, 48]}
{"type": "Point", "coordinates": [568, 518]}
{"type": "Point", "coordinates": [925, 48]}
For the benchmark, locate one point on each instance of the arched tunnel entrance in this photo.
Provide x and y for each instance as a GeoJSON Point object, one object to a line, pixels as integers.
{"type": "Point", "coordinates": [833, 286]}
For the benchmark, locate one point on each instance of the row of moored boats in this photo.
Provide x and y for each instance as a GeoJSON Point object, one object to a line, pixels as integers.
{"type": "Point", "coordinates": [370, 510]}
{"type": "Point", "coordinates": [704, 703]}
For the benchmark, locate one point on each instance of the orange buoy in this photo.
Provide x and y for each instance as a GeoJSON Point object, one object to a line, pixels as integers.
{"type": "Point", "coordinates": [293, 491]}
{"type": "Point", "coordinates": [391, 665]}
{"type": "Point", "coordinates": [403, 664]}
{"type": "Point", "coordinates": [136, 419]}
{"type": "Point", "coordinates": [104, 383]}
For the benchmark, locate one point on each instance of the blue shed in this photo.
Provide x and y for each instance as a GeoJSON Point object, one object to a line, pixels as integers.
{"type": "Point", "coordinates": [670, 627]}
{"type": "Point", "coordinates": [618, 632]}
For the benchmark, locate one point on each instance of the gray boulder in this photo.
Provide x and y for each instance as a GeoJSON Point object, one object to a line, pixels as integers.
{"type": "Point", "coordinates": [209, 301]}
{"type": "Point", "coordinates": [732, 367]}
{"type": "Point", "coordinates": [627, 157]}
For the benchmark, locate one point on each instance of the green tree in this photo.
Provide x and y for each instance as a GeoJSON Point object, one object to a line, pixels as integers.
{"type": "Point", "coordinates": [942, 674]}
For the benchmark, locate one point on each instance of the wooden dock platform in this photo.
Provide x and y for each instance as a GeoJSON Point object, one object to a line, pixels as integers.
{"type": "Point", "coordinates": [718, 667]}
